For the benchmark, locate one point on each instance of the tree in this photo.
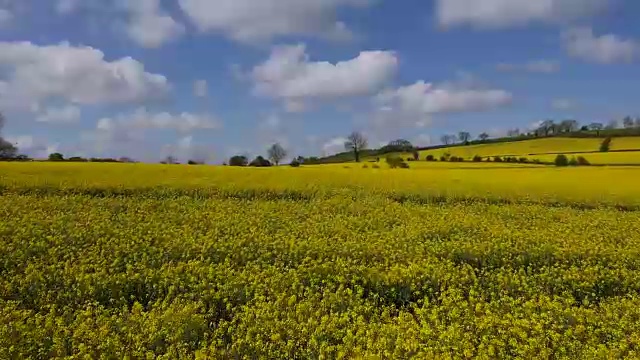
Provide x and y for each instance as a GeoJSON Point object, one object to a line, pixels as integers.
{"type": "Point", "coordinates": [613, 124]}
{"type": "Point", "coordinates": [276, 153]}
{"type": "Point", "coordinates": [464, 136]}
{"type": "Point", "coordinates": [597, 127]}
{"type": "Point", "coordinates": [568, 126]}
{"type": "Point", "coordinates": [170, 160]}
{"type": "Point", "coordinates": [546, 127]}
{"type": "Point", "coordinates": [260, 162]}
{"type": "Point", "coordinates": [356, 142]}
{"type": "Point", "coordinates": [513, 132]}
{"type": "Point", "coordinates": [7, 149]}
{"type": "Point", "coordinates": [448, 139]}
{"type": "Point", "coordinates": [56, 157]}
{"type": "Point", "coordinates": [628, 122]}
{"type": "Point", "coordinates": [638, 122]}
{"type": "Point", "coordinates": [238, 160]}
{"type": "Point", "coordinates": [484, 136]}
{"type": "Point", "coordinates": [400, 145]}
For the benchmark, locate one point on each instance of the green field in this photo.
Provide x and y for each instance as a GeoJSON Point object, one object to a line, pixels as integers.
{"type": "Point", "coordinates": [537, 148]}
{"type": "Point", "coordinates": [447, 260]}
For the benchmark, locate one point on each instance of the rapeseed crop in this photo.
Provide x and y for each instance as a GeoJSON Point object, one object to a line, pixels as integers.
{"type": "Point", "coordinates": [140, 261]}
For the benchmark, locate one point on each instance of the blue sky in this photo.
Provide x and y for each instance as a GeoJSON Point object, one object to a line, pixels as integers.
{"type": "Point", "coordinates": [208, 79]}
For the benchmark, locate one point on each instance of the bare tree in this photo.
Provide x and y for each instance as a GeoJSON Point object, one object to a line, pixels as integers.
{"type": "Point", "coordinates": [613, 124]}
{"type": "Point", "coordinates": [356, 142]}
{"type": "Point", "coordinates": [464, 136]}
{"type": "Point", "coordinates": [276, 153]}
{"type": "Point", "coordinates": [484, 136]}
{"type": "Point", "coordinates": [513, 132]}
{"type": "Point", "coordinates": [448, 139]}
{"type": "Point", "coordinates": [597, 127]}
{"type": "Point", "coordinates": [628, 122]}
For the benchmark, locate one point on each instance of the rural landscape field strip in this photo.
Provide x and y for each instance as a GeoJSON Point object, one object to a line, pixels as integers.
{"type": "Point", "coordinates": [342, 272]}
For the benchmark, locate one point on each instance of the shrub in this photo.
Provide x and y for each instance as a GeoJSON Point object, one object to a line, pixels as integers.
{"type": "Point", "coordinates": [295, 163]}
{"type": "Point", "coordinates": [523, 160]}
{"type": "Point", "coordinates": [396, 162]}
{"type": "Point", "coordinates": [431, 158]}
{"type": "Point", "coordinates": [477, 158]}
{"type": "Point", "coordinates": [561, 160]}
{"type": "Point", "coordinates": [582, 161]}
{"type": "Point", "coordinates": [239, 160]}
{"type": "Point", "coordinates": [606, 145]}
{"type": "Point", "coordinates": [442, 158]}
{"type": "Point", "coordinates": [573, 162]}
{"type": "Point", "coordinates": [537, 161]}
{"type": "Point", "coordinates": [497, 159]}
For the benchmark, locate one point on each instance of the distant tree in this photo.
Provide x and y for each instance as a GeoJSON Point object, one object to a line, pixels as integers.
{"type": "Point", "coordinates": [7, 149]}
{"type": "Point", "coordinates": [170, 160]}
{"type": "Point", "coordinates": [628, 122]}
{"type": "Point", "coordinates": [276, 153]}
{"type": "Point", "coordinates": [300, 159]}
{"type": "Point", "coordinates": [513, 132]}
{"type": "Point", "coordinates": [416, 155]}
{"type": "Point", "coordinates": [584, 128]}
{"type": "Point", "coordinates": [597, 127]}
{"type": "Point", "coordinates": [56, 157]}
{"type": "Point", "coordinates": [195, 162]}
{"type": "Point", "coordinates": [464, 137]}
{"type": "Point", "coordinates": [125, 159]}
{"type": "Point", "coordinates": [613, 124]}
{"type": "Point", "coordinates": [568, 126]}
{"type": "Point", "coordinates": [638, 122]}
{"type": "Point", "coordinates": [399, 145]}
{"type": "Point", "coordinates": [483, 137]}
{"type": "Point", "coordinates": [260, 162]}
{"type": "Point", "coordinates": [356, 142]}
{"type": "Point", "coordinates": [77, 159]}
{"type": "Point", "coordinates": [561, 160]}
{"type": "Point", "coordinates": [448, 139]}
{"type": "Point", "coordinates": [547, 127]}
{"type": "Point", "coordinates": [238, 160]}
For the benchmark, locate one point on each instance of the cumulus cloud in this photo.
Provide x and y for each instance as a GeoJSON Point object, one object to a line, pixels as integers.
{"type": "Point", "coordinates": [65, 114]}
{"type": "Point", "coordinates": [250, 20]}
{"type": "Point", "coordinates": [506, 13]}
{"type": "Point", "coordinates": [77, 75]}
{"type": "Point", "coordinates": [149, 25]}
{"type": "Point", "coordinates": [416, 104]}
{"type": "Point", "coordinates": [35, 147]}
{"type": "Point", "coordinates": [535, 66]}
{"type": "Point", "coordinates": [288, 74]}
{"type": "Point", "coordinates": [142, 119]}
{"type": "Point", "coordinates": [334, 146]}
{"type": "Point", "coordinates": [582, 43]}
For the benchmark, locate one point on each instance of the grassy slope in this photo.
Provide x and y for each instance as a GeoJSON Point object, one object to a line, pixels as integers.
{"type": "Point", "coordinates": [537, 148]}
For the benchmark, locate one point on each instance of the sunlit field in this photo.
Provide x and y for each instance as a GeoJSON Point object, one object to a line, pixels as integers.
{"type": "Point", "coordinates": [339, 261]}
{"type": "Point", "coordinates": [536, 148]}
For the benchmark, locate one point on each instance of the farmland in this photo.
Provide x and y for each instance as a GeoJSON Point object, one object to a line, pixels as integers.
{"type": "Point", "coordinates": [545, 149]}
{"type": "Point", "coordinates": [438, 261]}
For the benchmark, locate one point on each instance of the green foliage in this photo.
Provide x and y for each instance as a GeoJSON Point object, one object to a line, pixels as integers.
{"type": "Point", "coordinates": [497, 159]}
{"type": "Point", "coordinates": [238, 160]}
{"type": "Point", "coordinates": [561, 160]}
{"type": "Point", "coordinates": [56, 157]}
{"type": "Point", "coordinates": [295, 163]}
{"type": "Point", "coordinates": [477, 158]}
{"type": "Point", "coordinates": [606, 145]}
{"type": "Point", "coordinates": [430, 157]}
{"type": "Point", "coordinates": [573, 162]}
{"type": "Point", "coordinates": [260, 162]}
{"type": "Point", "coordinates": [396, 162]}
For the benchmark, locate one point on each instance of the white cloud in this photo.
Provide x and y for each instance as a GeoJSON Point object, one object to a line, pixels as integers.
{"type": "Point", "coordinates": [65, 114]}
{"type": "Point", "coordinates": [149, 25]}
{"type": "Point", "coordinates": [6, 17]}
{"type": "Point", "coordinates": [506, 13]}
{"type": "Point", "coordinates": [416, 104]}
{"type": "Point", "coordinates": [34, 147]}
{"type": "Point", "coordinates": [605, 49]}
{"type": "Point", "coordinates": [251, 20]}
{"type": "Point", "coordinates": [563, 104]}
{"type": "Point", "coordinates": [535, 66]}
{"type": "Point", "coordinates": [334, 146]}
{"type": "Point", "coordinates": [78, 75]}
{"type": "Point", "coordinates": [289, 74]}
{"type": "Point", "coordinates": [141, 119]}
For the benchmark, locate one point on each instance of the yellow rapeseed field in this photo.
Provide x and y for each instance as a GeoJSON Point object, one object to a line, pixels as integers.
{"type": "Point", "coordinates": [442, 261]}
{"type": "Point", "coordinates": [553, 145]}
